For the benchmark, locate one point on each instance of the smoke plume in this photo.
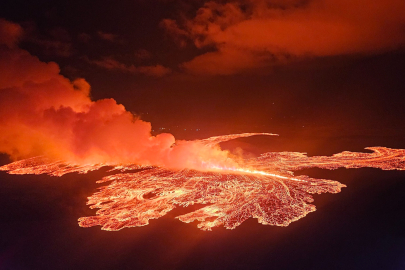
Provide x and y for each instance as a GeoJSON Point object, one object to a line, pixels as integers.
{"type": "Point", "coordinates": [44, 113]}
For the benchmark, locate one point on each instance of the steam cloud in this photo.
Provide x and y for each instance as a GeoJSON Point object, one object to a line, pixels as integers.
{"type": "Point", "coordinates": [44, 113]}
{"type": "Point", "coordinates": [252, 33]}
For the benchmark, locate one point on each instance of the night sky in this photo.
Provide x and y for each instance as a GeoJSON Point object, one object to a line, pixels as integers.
{"type": "Point", "coordinates": [327, 76]}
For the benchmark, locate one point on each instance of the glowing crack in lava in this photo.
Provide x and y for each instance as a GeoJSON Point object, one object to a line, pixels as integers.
{"type": "Point", "coordinates": [44, 114]}
{"type": "Point", "coordinates": [264, 187]}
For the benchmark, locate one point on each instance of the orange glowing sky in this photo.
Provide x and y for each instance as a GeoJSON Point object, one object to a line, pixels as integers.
{"type": "Point", "coordinates": [252, 63]}
{"type": "Point", "coordinates": [228, 75]}
{"type": "Point", "coordinates": [119, 114]}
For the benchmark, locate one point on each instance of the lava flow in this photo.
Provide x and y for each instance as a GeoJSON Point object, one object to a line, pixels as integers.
{"type": "Point", "coordinates": [264, 187]}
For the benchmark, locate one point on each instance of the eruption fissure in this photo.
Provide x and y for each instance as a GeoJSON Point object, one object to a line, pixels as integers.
{"type": "Point", "coordinates": [51, 126]}
{"type": "Point", "coordinates": [264, 187]}
{"type": "Point", "coordinates": [248, 171]}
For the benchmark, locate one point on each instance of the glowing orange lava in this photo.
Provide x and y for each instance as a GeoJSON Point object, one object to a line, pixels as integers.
{"type": "Point", "coordinates": [264, 187]}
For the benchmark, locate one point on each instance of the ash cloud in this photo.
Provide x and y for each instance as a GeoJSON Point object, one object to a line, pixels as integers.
{"type": "Point", "coordinates": [243, 34]}
{"type": "Point", "coordinates": [44, 113]}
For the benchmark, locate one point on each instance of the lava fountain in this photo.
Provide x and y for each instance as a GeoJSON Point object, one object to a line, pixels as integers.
{"type": "Point", "coordinates": [263, 187]}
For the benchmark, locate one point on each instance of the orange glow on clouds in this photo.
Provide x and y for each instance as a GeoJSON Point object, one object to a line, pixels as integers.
{"type": "Point", "coordinates": [44, 113]}
{"type": "Point", "coordinates": [249, 34]}
{"type": "Point", "coordinates": [53, 125]}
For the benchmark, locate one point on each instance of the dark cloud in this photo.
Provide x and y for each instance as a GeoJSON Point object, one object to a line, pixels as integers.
{"type": "Point", "coordinates": [112, 64]}
{"type": "Point", "coordinates": [55, 47]}
{"type": "Point", "coordinates": [83, 37]}
{"type": "Point", "coordinates": [143, 54]}
{"type": "Point", "coordinates": [56, 41]}
{"type": "Point", "coordinates": [107, 36]}
{"type": "Point", "coordinates": [10, 33]}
